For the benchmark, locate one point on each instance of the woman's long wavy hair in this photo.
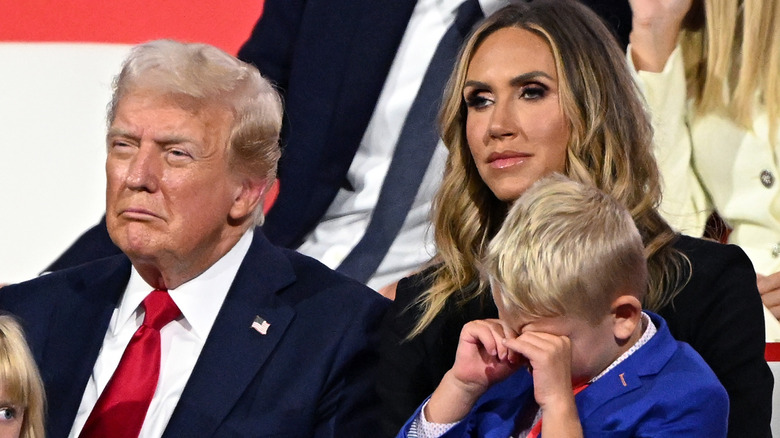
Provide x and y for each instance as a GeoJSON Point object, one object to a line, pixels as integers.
{"type": "Point", "coordinates": [731, 50]}
{"type": "Point", "coordinates": [610, 146]}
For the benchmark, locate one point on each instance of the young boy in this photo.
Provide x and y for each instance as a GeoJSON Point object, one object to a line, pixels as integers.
{"type": "Point", "coordinates": [573, 354]}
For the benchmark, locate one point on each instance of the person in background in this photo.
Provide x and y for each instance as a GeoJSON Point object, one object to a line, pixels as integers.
{"type": "Point", "coordinates": [710, 71]}
{"type": "Point", "coordinates": [201, 327]}
{"type": "Point", "coordinates": [526, 99]}
{"type": "Point", "coordinates": [22, 400]}
{"type": "Point", "coordinates": [572, 354]}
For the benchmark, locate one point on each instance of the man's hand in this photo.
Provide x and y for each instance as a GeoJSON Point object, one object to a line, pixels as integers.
{"type": "Point", "coordinates": [769, 287]}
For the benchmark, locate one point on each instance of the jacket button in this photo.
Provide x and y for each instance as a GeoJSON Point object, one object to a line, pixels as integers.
{"type": "Point", "coordinates": [767, 179]}
{"type": "Point", "coordinates": [776, 250]}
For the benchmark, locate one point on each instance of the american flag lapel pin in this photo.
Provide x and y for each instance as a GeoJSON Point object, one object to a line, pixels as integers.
{"type": "Point", "coordinates": [260, 325]}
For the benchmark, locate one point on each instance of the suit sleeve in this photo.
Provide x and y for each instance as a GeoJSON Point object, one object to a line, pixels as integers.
{"type": "Point", "coordinates": [719, 313]}
{"type": "Point", "coordinates": [271, 45]}
{"type": "Point", "coordinates": [685, 204]}
{"type": "Point", "coordinates": [349, 406]}
{"type": "Point", "coordinates": [405, 375]}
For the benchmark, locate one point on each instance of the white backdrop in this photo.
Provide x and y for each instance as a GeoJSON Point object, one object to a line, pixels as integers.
{"type": "Point", "coordinates": [57, 61]}
{"type": "Point", "coordinates": [52, 126]}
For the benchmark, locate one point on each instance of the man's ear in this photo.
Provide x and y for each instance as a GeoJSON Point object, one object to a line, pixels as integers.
{"type": "Point", "coordinates": [247, 197]}
{"type": "Point", "coordinates": [627, 314]}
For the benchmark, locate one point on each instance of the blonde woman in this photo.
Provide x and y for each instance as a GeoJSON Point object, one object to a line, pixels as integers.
{"type": "Point", "coordinates": [21, 389]}
{"type": "Point", "coordinates": [710, 70]}
{"type": "Point", "coordinates": [558, 97]}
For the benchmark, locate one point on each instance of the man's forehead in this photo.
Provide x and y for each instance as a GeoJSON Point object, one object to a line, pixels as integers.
{"type": "Point", "coordinates": [166, 114]}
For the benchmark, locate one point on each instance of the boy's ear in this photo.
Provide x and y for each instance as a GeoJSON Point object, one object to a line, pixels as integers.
{"type": "Point", "coordinates": [627, 314]}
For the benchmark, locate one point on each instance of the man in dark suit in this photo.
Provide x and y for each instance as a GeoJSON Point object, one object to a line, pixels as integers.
{"type": "Point", "coordinates": [201, 327]}
{"type": "Point", "coordinates": [349, 70]}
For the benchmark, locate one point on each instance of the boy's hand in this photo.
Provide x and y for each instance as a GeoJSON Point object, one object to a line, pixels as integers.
{"type": "Point", "coordinates": [481, 360]}
{"type": "Point", "coordinates": [482, 357]}
{"type": "Point", "coordinates": [549, 358]}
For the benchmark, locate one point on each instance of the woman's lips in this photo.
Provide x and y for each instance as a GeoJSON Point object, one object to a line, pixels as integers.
{"type": "Point", "coordinates": [501, 160]}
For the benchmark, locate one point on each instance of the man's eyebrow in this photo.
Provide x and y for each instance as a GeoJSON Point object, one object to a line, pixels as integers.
{"type": "Point", "coordinates": [119, 132]}
{"type": "Point", "coordinates": [161, 139]}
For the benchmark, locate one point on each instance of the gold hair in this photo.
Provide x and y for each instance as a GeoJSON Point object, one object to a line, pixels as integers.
{"type": "Point", "coordinates": [565, 248]}
{"type": "Point", "coordinates": [19, 377]}
{"type": "Point", "coordinates": [610, 147]}
{"type": "Point", "coordinates": [732, 59]}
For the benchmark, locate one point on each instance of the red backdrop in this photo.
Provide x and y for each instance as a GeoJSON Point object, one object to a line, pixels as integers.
{"type": "Point", "coordinates": [225, 23]}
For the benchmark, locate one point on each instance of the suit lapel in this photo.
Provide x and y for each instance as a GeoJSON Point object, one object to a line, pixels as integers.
{"type": "Point", "coordinates": [626, 376]}
{"type": "Point", "coordinates": [79, 325]}
{"type": "Point", "coordinates": [235, 352]}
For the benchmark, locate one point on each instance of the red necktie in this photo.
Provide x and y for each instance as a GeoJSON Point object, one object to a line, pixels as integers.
{"type": "Point", "coordinates": [121, 408]}
{"type": "Point", "coordinates": [537, 429]}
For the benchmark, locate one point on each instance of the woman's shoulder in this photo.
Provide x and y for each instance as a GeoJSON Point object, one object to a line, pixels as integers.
{"type": "Point", "coordinates": [412, 287]}
{"type": "Point", "coordinates": [708, 257]}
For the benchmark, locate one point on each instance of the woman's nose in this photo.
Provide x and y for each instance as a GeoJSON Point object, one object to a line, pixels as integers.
{"type": "Point", "coordinates": [503, 121]}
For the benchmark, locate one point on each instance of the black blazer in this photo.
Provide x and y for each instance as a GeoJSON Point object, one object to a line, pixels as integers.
{"type": "Point", "coordinates": [718, 313]}
{"type": "Point", "coordinates": [312, 374]}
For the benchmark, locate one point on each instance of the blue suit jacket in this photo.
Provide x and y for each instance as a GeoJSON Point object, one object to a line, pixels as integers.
{"type": "Point", "coordinates": [311, 375]}
{"type": "Point", "coordinates": [664, 389]}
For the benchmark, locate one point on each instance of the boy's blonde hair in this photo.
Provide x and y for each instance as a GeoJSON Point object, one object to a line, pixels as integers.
{"type": "Point", "coordinates": [19, 378]}
{"type": "Point", "coordinates": [565, 248]}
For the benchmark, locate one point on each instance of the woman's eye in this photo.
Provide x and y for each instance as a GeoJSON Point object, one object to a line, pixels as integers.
{"type": "Point", "coordinates": [532, 92]}
{"type": "Point", "coordinates": [477, 101]}
{"type": "Point", "coordinates": [7, 413]}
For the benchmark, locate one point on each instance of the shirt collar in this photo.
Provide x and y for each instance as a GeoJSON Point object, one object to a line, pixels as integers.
{"type": "Point", "coordinates": [199, 299]}
{"type": "Point", "coordinates": [649, 332]}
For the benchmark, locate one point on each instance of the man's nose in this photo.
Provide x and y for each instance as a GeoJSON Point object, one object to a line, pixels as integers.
{"type": "Point", "coordinates": [144, 169]}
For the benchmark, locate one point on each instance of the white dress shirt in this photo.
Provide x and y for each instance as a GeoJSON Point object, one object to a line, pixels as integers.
{"type": "Point", "coordinates": [181, 340]}
{"type": "Point", "coordinates": [348, 216]}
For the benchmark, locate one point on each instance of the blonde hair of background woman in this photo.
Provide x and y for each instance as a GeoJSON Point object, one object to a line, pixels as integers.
{"type": "Point", "coordinates": [731, 50]}
{"type": "Point", "coordinates": [19, 377]}
{"type": "Point", "coordinates": [610, 147]}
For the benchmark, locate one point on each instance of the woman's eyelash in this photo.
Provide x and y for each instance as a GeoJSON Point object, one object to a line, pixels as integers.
{"type": "Point", "coordinates": [475, 99]}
